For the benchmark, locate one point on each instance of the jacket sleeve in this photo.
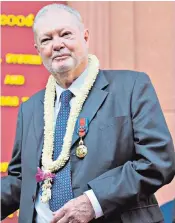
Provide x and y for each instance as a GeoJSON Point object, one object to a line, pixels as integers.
{"type": "Point", "coordinates": [154, 162]}
{"type": "Point", "coordinates": [11, 184]}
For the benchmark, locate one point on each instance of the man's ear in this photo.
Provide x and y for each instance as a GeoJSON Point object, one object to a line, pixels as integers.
{"type": "Point", "coordinates": [86, 36]}
{"type": "Point", "coordinates": [36, 47]}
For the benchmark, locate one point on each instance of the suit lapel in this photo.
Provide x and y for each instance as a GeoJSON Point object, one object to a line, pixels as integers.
{"type": "Point", "coordinates": [93, 102]}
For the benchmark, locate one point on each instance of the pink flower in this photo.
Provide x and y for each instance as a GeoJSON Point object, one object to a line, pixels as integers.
{"type": "Point", "coordinates": [41, 175]}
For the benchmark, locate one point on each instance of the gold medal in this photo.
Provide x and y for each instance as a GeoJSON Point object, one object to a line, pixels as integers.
{"type": "Point", "coordinates": [81, 150]}
{"type": "Point", "coordinates": [81, 129]}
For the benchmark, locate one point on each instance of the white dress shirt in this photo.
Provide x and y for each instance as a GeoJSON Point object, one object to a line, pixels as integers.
{"type": "Point", "coordinates": [44, 214]}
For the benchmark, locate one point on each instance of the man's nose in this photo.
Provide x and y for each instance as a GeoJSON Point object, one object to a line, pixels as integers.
{"type": "Point", "coordinates": [57, 44]}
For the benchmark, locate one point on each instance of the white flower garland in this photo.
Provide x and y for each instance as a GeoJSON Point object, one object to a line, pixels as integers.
{"type": "Point", "coordinates": [48, 165]}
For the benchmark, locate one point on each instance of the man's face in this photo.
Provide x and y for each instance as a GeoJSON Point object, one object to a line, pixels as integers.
{"type": "Point", "coordinates": [61, 43]}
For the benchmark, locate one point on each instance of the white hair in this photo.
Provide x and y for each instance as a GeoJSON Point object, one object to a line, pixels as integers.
{"type": "Point", "coordinates": [55, 6]}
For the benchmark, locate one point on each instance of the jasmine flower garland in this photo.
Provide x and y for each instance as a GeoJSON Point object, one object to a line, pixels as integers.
{"type": "Point", "coordinates": [48, 165]}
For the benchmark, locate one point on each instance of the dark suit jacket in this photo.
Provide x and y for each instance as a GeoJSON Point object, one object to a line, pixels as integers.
{"type": "Point", "coordinates": [130, 151]}
{"type": "Point", "coordinates": [174, 212]}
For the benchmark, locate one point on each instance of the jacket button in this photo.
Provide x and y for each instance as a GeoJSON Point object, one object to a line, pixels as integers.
{"type": "Point", "coordinates": [33, 198]}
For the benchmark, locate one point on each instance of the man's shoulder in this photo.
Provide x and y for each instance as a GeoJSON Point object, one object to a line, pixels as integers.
{"type": "Point", "coordinates": [124, 75]}
{"type": "Point", "coordinates": [124, 80]}
{"type": "Point", "coordinates": [38, 96]}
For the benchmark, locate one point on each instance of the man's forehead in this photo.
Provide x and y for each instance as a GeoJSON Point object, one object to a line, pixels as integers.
{"type": "Point", "coordinates": [59, 16]}
{"type": "Point", "coordinates": [55, 20]}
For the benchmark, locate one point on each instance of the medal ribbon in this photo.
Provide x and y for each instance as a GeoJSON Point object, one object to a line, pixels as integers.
{"type": "Point", "coordinates": [82, 127]}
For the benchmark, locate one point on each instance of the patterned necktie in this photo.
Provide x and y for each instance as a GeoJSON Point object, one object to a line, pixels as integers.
{"type": "Point", "coordinates": [61, 188]}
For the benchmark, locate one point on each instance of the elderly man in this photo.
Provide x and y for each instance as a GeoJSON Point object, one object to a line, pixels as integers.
{"type": "Point", "coordinates": [91, 147]}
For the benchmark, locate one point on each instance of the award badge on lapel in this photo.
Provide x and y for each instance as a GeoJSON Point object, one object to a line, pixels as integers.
{"type": "Point", "coordinates": [82, 129]}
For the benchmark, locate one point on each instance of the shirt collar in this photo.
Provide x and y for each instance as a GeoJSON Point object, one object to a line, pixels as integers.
{"type": "Point", "coordinates": [75, 86]}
